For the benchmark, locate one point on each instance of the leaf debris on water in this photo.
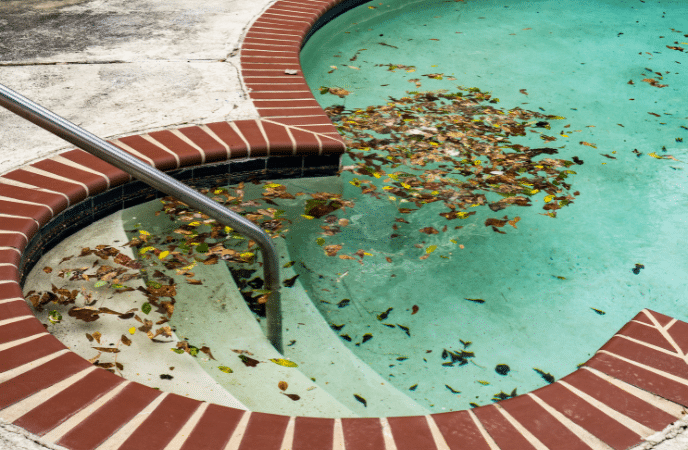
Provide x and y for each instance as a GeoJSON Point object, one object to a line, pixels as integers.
{"type": "Point", "coordinates": [361, 399]}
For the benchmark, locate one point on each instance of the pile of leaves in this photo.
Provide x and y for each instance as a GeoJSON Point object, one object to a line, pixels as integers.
{"type": "Point", "coordinates": [453, 148]}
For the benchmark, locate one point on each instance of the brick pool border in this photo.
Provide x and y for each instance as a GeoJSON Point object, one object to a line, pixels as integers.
{"type": "Point", "coordinates": [634, 386]}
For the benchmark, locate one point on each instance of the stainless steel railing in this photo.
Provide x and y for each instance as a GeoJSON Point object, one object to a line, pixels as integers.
{"type": "Point", "coordinates": [81, 138]}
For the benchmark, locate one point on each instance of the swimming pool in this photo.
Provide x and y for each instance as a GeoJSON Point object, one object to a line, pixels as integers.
{"type": "Point", "coordinates": [387, 432]}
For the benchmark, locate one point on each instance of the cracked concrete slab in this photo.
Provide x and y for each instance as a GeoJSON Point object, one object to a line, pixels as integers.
{"type": "Point", "coordinates": [120, 67]}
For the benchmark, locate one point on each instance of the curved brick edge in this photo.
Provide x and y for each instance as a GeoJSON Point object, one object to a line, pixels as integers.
{"type": "Point", "coordinates": [634, 386]}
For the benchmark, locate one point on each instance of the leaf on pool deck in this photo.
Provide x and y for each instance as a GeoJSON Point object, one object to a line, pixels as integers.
{"type": "Point", "coordinates": [361, 399]}
{"type": "Point", "coordinates": [107, 349]}
{"type": "Point", "coordinates": [248, 362]}
{"type": "Point", "coordinates": [109, 311]}
{"type": "Point", "coordinates": [207, 351]}
{"type": "Point", "coordinates": [146, 308]}
{"type": "Point", "coordinates": [289, 282]}
{"type": "Point", "coordinates": [429, 230]}
{"type": "Point", "coordinates": [47, 269]}
{"type": "Point", "coordinates": [475, 300]}
{"type": "Point", "coordinates": [293, 397]}
{"type": "Point", "coordinates": [284, 362]}
{"type": "Point", "coordinates": [545, 376]}
{"type": "Point", "coordinates": [125, 340]}
{"type": "Point", "coordinates": [282, 385]}
{"type": "Point", "coordinates": [599, 311]}
{"type": "Point", "coordinates": [132, 330]}
{"type": "Point", "coordinates": [89, 337]}
{"type": "Point", "coordinates": [225, 369]}
{"type": "Point", "coordinates": [54, 316]}
{"type": "Point", "coordinates": [414, 309]}
{"type": "Point", "coordinates": [96, 335]}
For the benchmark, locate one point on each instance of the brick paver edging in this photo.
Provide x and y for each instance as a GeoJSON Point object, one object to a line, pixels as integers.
{"type": "Point", "coordinates": [634, 386]}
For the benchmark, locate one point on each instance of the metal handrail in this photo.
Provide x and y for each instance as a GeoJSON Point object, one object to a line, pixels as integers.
{"type": "Point", "coordinates": [23, 107]}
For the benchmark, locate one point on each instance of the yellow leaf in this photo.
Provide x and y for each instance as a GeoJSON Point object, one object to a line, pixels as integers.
{"type": "Point", "coordinates": [194, 223]}
{"type": "Point", "coordinates": [305, 216]}
{"type": "Point", "coordinates": [391, 198]}
{"type": "Point", "coordinates": [144, 232]}
{"type": "Point", "coordinates": [549, 198]}
{"type": "Point", "coordinates": [655, 155]}
{"type": "Point", "coordinates": [164, 254]}
{"type": "Point", "coordinates": [284, 362]}
{"type": "Point", "coordinates": [145, 249]}
{"type": "Point", "coordinates": [453, 241]}
{"type": "Point", "coordinates": [272, 185]}
{"type": "Point", "coordinates": [225, 369]}
{"type": "Point", "coordinates": [484, 383]}
{"type": "Point", "coordinates": [387, 188]}
{"type": "Point", "coordinates": [246, 255]}
{"type": "Point", "coordinates": [431, 249]}
{"type": "Point", "coordinates": [406, 186]}
{"type": "Point", "coordinates": [132, 330]}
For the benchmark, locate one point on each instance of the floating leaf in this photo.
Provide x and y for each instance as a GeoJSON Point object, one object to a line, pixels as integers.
{"type": "Point", "coordinates": [248, 362]}
{"type": "Point", "coordinates": [475, 300]}
{"type": "Point", "coordinates": [293, 397]}
{"type": "Point", "coordinates": [361, 399]}
{"type": "Point", "coordinates": [164, 254]}
{"type": "Point", "coordinates": [224, 369]}
{"type": "Point", "coordinates": [284, 362]}
{"type": "Point", "coordinates": [414, 309]}
{"type": "Point", "coordinates": [431, 249]}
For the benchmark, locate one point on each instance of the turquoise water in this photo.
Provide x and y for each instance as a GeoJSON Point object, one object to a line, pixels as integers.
{"type": "Point", "coordinates": [541, 281]}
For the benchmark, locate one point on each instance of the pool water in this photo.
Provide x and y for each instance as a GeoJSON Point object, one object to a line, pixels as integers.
{"type": "Point", "coordinates": [554, 289]}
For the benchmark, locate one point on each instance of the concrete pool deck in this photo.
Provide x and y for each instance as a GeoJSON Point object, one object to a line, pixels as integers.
{"type": "Point", "coordinates": [189, 87]}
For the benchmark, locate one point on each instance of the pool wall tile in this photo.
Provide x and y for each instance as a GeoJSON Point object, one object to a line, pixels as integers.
{"type": "Point", "coordinates": [363, 434]}
{"type": "Point", "coordinates": [109, 418]}
{"type": "Point", "coordinates": [311, 430]}
{"type": "Point", "coordinates": [64, 404]}
{"type": "Point", "coordinates": [162, 424]}
{"type": "Point", "coordinates": [498, 427]}
{"type": "Point", "coordinates": [264, 432]}
{"type": "Point", "coordinates": [214, 429]}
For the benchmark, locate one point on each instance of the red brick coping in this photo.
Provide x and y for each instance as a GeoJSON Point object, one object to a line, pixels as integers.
{"type": "Point", "coordinates": [634, 386]}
